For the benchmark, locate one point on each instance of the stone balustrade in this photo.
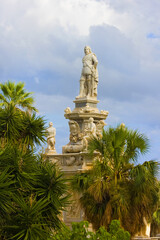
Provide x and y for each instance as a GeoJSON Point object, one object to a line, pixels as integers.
{"type": "Point", "coordinates": [147, 238]}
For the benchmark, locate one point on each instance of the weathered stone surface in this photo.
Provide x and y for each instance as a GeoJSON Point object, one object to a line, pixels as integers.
{"type": "Point", "coordinates": [51, 133]}
{"type": "Point", "coordinates": [85, 121]}
{"type": "Point", "coordinates": [89, 75]}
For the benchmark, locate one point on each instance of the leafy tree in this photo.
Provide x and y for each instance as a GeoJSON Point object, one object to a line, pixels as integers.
{"type": "Point", "coordinates": [80, 232]}
{"type": "Point", "coordinates": [33, 192]}
{"type": "Point", "coordinates": [155, 223]}
{"type": "Point", "coordinates": [21, 128]}
{"type": "Point", "coordinates": [15, 95]}
{"type": "Point", "coordinates": [32, 199]}
{"type": "Point", "coordinates": [116, 188]}
{"type": "Point", "coordinates": [18, 122]}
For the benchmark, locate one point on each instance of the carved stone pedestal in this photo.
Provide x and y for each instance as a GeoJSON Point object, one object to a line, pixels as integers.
{"type": "Point", "coordinates": [85, 121]}
{"type": "Point", "coordinates": [50, 152]}
{"type": "Point", "coordinates": [70, 164]}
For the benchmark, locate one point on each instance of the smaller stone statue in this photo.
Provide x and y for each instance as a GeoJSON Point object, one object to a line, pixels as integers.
{"type": "Point", "coordinates": [51, 133]}
{"type": "Point", "coordinates": [89, 75]}
{"type": "Point", "coordinates": [89, 131]}
{"type": "Point", "coordinates": [99, 128]}
{"type": "Point", "coordinates": [92, 127]}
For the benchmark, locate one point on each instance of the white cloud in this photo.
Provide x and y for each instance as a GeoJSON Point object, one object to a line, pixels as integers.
{"type": "Point", "coordinates": [31, 31]}
{"type": "Point", "coordinates": [42, 44]}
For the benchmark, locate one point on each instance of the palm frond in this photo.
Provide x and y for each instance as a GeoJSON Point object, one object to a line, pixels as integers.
{"type": "Point", "coordinates": [115, 188]}
{"type": "Point", "coordinates": [16, 95]}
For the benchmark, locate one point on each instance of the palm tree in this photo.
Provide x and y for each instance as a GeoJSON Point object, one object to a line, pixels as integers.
{"type": "Point", "coordinates": [33, 130]}
{"type": "Point", "coordinates": [33, 194]}
{"type": "Point", "coordinates": [32, 191]}
{"type": "Point", "coordinates": [155, 224]}
{"type": "Point", "coordinates": [15, 95]}
{"type": "Point", "coordinates": [116, 188]}
{"type": "Point", "coordinates": [21, 128]}
{"type": "Point", "coordinates": [18, 124]}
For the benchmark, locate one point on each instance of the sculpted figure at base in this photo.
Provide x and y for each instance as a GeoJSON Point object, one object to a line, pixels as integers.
{"type": "Point", "coordinates": [90, 131]}
{"type": "Point", "coordinates": [89, 75]}
{"type": "Point", "coordinates": [51, 133]}
{"type": "Point", "coordinates": [99, 128]}
{"type": "Point", "coordinates": [92, 127]}
{"type": "Point", "coordinates": [76, 143]}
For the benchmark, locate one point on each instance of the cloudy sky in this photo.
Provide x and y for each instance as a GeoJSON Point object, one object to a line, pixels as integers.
{"type": "Point", "coordinates": [41, 44]}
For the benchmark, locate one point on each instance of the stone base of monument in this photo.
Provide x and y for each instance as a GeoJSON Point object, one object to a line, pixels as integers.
{"type": "Point", "coordinates": [85, 121]}
{"type": "Point", "coordinates": [73, 212]}
{"type": "Point", "coordinates": [70, 164]}
{"type": "Point", "coordinates": [147, 238]}
{"type": "Point", "coordinates": [142, 238]}
{"type": "Point", "coordinates": [50, 152]}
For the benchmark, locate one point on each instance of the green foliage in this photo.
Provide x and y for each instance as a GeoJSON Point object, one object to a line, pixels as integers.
{"type": "Point", "coordinates": [80, 232]}
{"type": "Point", "coordinates": [21, 128]}
{"type": "Point", "coordinates": [32, 195]}
{"type": "Point", "coordinates": [156, 216]}
{"type": "Point", "coordinates": [33, 192]}
{"type": "Point", "coordinates": [117, 188]}
{"type": "Point", "coordinates": [117, 232]}
{"type": "Point", "coordinates": [155, 223]}
{"type": "Point", "coordinates": [62, 234]}
{"type": "Point", "coordinates": [15, 95]}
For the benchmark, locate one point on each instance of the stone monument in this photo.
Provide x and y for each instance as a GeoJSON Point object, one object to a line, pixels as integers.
{"type": "Point", "coordinates": [85, 121]}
